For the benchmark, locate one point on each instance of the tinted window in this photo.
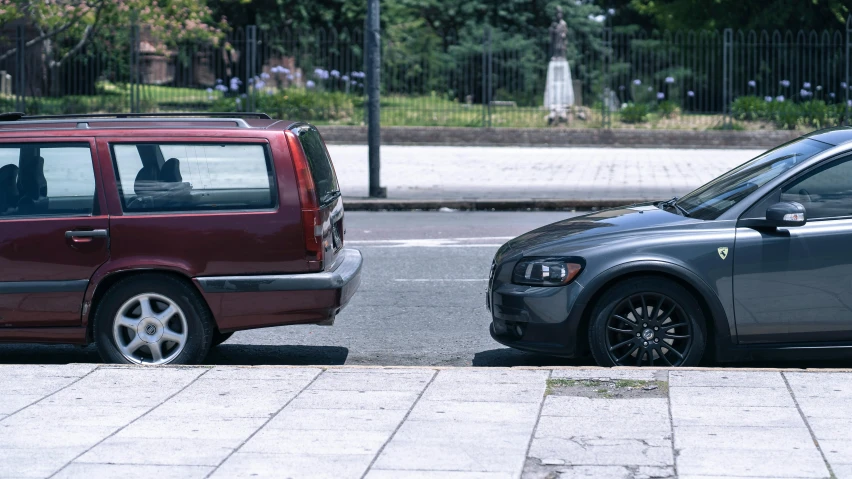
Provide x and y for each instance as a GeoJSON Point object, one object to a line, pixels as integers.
{"type": "Point", "coordinates": [718, 196]}
{"type": "Point", "coordinates": [193, 177]}
{"type": "Point", "coordinates": [319, 163]}
{"type": "Point", "coordinates": [825, 193]}
{"type": "Point", "coordinates": [46, 179]}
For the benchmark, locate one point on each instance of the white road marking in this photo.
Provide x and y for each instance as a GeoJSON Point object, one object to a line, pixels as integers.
{"type": "Point", "coordinates": [434, 243]}
{"type": "Point", "coordinates": [426, 280]}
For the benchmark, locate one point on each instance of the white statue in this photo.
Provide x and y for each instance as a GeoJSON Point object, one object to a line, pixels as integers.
{"type": "Point", "coordinates": [559, 89]}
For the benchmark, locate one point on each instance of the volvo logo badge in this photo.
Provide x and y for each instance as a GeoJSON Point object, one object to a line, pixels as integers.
{"type": "Point", "coordinates": [648, 334]}
{"type": "Point", "coordinates": [150, 329]}
{"type": "Point", "coordinates": [723, 252]}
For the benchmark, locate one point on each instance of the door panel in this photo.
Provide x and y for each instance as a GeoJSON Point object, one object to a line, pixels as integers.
{"type": "Point", "coordinates": [795, 284]}
{"type": "Point", "coordinates": [44, 269]}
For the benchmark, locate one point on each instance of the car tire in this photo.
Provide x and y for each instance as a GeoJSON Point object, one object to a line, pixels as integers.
{"type": "Point", "coordinates": [672, 331]}
{"type": "Point", "coordinates": [176, 327]}
{"type": "Point", "coordinates": [219, 338]}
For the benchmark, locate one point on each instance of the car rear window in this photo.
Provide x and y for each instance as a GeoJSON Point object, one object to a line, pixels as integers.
{"type": "Point", "coordinates": [193, 176]}
{"type": "Point", "coordinates": [322, 170]}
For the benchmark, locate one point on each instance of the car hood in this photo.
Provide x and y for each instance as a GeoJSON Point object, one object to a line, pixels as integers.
{"type": "Point", "coordinates": [618, 221]}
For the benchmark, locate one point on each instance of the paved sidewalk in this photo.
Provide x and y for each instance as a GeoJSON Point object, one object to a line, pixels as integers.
{"type": "Point", "coordinates": [105, 421]}
{"type": "Point", "coordinates": [500, 173]}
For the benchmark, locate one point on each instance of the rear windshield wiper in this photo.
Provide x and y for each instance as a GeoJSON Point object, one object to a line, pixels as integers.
{"type": "Point", "coordinates": [330, 196]}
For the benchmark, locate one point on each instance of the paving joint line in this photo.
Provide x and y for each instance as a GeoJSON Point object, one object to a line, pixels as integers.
{"type": "Point", "coordinates": [78, 456]}
{"type": "Point", "coordinates": [537, 420]}
{"type": "Point", "coordinates": [53, 393]}
{"type": "Point", "coordinates": [671, 421]}
{"type": "Point", "coordinates": [268, 420]}
{"type": "Point", "coordinates": [398, 426]}
{"type": "Point", "coordinates": [808, 425]}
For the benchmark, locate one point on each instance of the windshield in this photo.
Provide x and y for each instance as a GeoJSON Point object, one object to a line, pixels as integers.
{"type": "Point", "coordinates": [716, 197]}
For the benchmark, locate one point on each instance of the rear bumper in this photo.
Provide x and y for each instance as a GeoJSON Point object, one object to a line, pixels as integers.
{"type": "Point", "coordinates": [246, 302]}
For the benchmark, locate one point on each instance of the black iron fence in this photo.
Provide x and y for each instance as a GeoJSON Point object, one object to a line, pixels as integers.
{"type": "Point", "coordinates": [478, 78]}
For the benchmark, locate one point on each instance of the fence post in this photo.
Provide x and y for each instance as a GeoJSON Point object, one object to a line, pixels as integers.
{"type": "Point", "coordinates": [848, 67]}
{"type": "Point", "coordinates": [251, 65]}
{"type": "Point", "coordinates": [490, 73]}
{"type": "Point", "coordinates": [134, 67]}
{"type": "Point", "coordinates": [374, 72]}
{"type": "Point", "coordinates": [20, 72]}
{"type": "Point", "coordinates": [606, 116]}
{"type": "Point", "coordinates": [727, 74]}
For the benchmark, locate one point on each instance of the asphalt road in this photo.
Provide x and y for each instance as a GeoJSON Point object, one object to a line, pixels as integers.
{"type": "Point", "coordinates": [421, 301]}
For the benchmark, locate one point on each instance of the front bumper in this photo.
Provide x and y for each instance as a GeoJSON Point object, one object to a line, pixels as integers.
{"type": "Point", "coordinates": [245, 302]}
{"type": "Point", "coordinates": [536, 319]}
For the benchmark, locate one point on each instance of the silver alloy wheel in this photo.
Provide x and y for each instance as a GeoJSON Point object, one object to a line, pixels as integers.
{"type": "Point", "coordinates": [150, 329]}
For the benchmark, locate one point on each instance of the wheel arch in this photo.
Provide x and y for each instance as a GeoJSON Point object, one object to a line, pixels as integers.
{"type": "Point", "coordinates": [106, 281]}
{"type": "Point", "coordinates": [718, 325]}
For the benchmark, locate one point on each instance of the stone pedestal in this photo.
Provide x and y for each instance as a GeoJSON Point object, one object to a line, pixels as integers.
{"type": "Point", "coordinates": [559, 90]}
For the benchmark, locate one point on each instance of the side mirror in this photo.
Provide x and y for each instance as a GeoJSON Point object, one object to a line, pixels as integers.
{"type": "Point", "coordinates": [785, 214]}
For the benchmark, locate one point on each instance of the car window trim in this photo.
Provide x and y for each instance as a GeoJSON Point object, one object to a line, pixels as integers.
{"type": "Point", "coordinates": [267, 151]}
{"type": "Point", "coordinates": [98, 195]}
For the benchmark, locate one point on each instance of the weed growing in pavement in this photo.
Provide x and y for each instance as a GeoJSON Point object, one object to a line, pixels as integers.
{"type": "Point", "coordinates": [606, 388]}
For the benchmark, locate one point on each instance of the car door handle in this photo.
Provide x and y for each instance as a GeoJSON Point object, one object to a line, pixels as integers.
{"type": "Point", "coordinates": [87, 234]}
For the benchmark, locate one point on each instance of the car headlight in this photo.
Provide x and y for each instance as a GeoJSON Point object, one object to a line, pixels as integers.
{"type": "Point", "coordinates": [546, 271]}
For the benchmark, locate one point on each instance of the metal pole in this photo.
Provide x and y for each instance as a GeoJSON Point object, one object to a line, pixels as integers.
{"type": "Point", "coordinates": [490, 73]}
{"type": "Point", "coordinates": [134, 68]}
{"type": "Point", "coordinates": [606, 120]}
{"type": "Point", "coordinates": [727, 72]}
{"type": "Point", "coordinates": [484, 74]}
{"type": "Point", "coordinates": [20, 72]}
{"type": "Point", "coordinates": [848, 66]}
{"type": "Point", "coordinates": [374, 70]}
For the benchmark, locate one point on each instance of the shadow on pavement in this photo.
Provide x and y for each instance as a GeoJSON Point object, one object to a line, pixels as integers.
{"type": "Point", "coordinates": [225, 354]}
{"type": "Point", "coordinates": [510, 357]}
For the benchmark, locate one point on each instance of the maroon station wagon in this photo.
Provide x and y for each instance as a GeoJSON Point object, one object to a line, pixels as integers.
{"type": "Point", "coordinates": [158, 236]}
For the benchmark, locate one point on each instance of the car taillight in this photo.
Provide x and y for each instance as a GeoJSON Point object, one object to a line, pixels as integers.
{"type": "Point", "coordinates": [311, 215]}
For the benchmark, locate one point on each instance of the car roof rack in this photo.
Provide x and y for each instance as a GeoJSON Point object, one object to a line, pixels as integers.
{"type": "Point", "coordinates": [16, 116]}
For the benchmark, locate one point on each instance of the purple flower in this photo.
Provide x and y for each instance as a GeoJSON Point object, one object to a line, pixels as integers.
{"type": "Point", "coordinates": [780, 99]}
{"type": "Point", "coordinates": [831, 95]}
{"type": "Point", "coordinates": [784, 83]}
{"type": "Point", "coordinates": [669, 80]}
{"type": "Point", "coordinates": [298, 74]}
{"type": "Point", "coordinates": [358, 74]}
{"type": "Point", "coordinates": [321, 74]}
{"type": "Point", "coordinates": [767, 98]}
{"type": "Point", "coordinates": [259, 84]}
{"type": "Point", "coordinates": [353, 82]}
{"type": "Point", "coordinates": [660, 95]}
{"type": "Point", "coordinates": [345, 78]}
{"type": "Point", "coordinates": [650, 89]}
{"type": "Point", "coordinates": [290, 77]}
{"type": "Point", "coordinates": [239, 101]}
{"type": "Point", "coordinates": [209, 90]}
{"type": "Point", "coordinates": [849, 103]}
{"type": "Point", "coordinates": [222, 88]}
{"type": "Point", "coordinates": [269, 92]}
{"type": "Point", "coordinates": [611, 11]}
{"type": "Point", "coordinates": [752, 83]}
{"type": "Point", "coordinates": [621, 87]}
{"type": "Point", "coordinates": [335, 73]}
{"type": "Point", "coordinates": [843, 84]}
{"type": "Point", "coordinates": [264, 75]}
{"type": "Point", "coordinates": [637, 82]}
{"type": "Point", "coordinates": [690, 93]}
{"type": "Point", "coordinates": [218, 80]}
{"type": "Point", "coordinates": [807, 84]}
{"type": "Point", "coordinates": [310, 84]}
{"type": "Point", "coordinates": [804, 93]}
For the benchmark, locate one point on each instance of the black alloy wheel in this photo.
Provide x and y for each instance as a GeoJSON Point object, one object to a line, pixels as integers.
{"type": "Point", "coordinates": [647, 322]}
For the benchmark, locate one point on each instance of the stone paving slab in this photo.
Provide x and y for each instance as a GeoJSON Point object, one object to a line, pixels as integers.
{"type": "Point", "coordinates": [93, 421]}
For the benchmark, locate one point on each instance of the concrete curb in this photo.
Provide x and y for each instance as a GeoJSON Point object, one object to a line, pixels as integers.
{"type": "Point", "coordinates": [560, 137]}
{"type": "Point", "coordinates": [374, 204]}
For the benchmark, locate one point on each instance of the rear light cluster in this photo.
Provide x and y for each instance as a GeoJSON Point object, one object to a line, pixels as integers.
{"type": "Point", "coordinates": [311, 214]}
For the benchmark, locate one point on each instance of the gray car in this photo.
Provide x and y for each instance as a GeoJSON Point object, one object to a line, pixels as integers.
{"type": "Point", "coordinates": [756, 263]}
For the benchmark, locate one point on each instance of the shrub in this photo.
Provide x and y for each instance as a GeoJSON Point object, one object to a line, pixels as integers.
{"type": "Point", "coordinates": [749, 108]}
{"type": "Point", "coordinates": [635, 113]}
{"type": "Point", "coordinates": [667, 108]}
{"type": "Point", "coordinates": [786, 115]}
{"type": "Point", "coordinates": [815, 113]}
{"type": "Point", "coordinates": [296, 104]}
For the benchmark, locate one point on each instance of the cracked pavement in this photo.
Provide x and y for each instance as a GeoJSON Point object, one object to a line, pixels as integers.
{"type": "Point", "coordinates": [87, 420]}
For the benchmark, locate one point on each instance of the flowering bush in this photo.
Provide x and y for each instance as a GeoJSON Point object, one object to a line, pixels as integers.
{"type": "Point", "coordinates": [634, 113]}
